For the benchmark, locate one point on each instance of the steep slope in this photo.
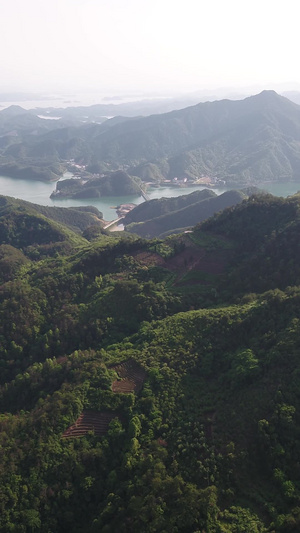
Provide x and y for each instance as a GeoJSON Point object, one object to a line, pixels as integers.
{"type": "Point", "coordinates": [162, 206]}
{"type": "Point", "coordinates": [186, 217]}
{"type": "Point", "coordinates": [75, 218]}
{"type": "Point", "coordinates": [265, 231]}
{"type": "Point", "coordinates": [44, 231]}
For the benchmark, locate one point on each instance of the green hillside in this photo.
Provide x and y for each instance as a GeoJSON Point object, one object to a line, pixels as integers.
{"type": "Point", "coordinates": [151, 385]}
{"type": "Point", "coordinates": [117, 183]}
{"type": "Point", "coordinates": [162, 206]}
{"type": "Point", "coordinates": [75, 218]}
{"type": "Point", "coordinates": [30, 172]}
{"type": "Point", "coordinates": [41, 231]}
{"type": "Point", "coordinates": [198, 208]}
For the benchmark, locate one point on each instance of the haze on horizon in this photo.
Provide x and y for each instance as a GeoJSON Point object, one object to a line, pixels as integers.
{"type": "Point", "coordinates": [157, 46]}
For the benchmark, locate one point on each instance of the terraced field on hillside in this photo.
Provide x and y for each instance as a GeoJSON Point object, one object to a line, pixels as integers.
{"type": "Point", "coordinates": [95, 421]}
{"type": "Point", "coordinates": [132, 377]}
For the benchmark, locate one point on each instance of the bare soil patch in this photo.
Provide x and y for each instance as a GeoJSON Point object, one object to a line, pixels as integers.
{"type": "Point", "coordinates": [149, 259]}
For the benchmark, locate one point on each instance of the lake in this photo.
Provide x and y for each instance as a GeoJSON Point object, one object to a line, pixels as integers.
{"type": "Point", "coordinates": [38, 192]}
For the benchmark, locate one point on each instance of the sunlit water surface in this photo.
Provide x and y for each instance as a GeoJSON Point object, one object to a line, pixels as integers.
{"type": "Point", "coordinates": [38, 192]}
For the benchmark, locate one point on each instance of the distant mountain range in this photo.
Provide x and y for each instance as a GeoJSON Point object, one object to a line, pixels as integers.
{"type": "Point", "coordinates": [157, 218]}
{"type": "Point", "coordinates": [241, 142]}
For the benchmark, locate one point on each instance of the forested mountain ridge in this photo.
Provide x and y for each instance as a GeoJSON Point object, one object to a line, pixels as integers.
{"type": "Point", "coordinates": [153, 385]}
{"type": "Point", "coordinates": [21, 216]}
{"type": "Point", "coordinates": [242, 141]}
{"type": "Point", "coordinates": [162, 206]}
{"type": "Point", "coordinates": [183, 217]}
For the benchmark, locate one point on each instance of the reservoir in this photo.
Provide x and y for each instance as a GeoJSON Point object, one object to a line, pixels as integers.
{"type": "Point", "coordinates": [38, 192]}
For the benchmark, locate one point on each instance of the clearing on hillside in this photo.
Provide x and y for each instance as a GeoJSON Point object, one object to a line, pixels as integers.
{"type": "Point", "coordinates": [205, 255]}
{"type": "Point", "coordinates": [132, 377]}
{"type": "Point", "coordinates": [90, 421]}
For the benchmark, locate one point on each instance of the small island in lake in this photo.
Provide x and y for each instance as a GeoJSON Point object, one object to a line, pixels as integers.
{"type": "Point", "coordinates": [117, 183]}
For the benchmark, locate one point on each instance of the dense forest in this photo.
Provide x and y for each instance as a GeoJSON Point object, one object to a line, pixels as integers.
{"type": "Point", "coordinates": [150, 385]}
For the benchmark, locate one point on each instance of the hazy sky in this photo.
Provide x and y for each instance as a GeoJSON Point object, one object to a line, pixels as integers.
{"type": "Point", "coordinates": [147, 45]}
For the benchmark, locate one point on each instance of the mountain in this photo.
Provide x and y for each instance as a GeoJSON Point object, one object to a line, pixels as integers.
{"type": "Point", "coordinates": [99, 112]}
{"type": "Point", "coordinates": [27, 225]}
{"type": "Point", "coordinates": [42, 172]}
{"type": "Point", "coordinates": [151, 385]}
{"type": "Point", "coordinates": [162, 206]}
{"type": "Point", "coordinates": [16, 121]}
{"type": "Point", "coordinates": [242, 141]}
{"type": "Point", "coordinates": [13, 111]}
{"type": "Point", "coordinates": [23, 155]}
{"type": "Point", "coordinates": [198, 207]}
{"type": "Point", "coordinates": [294, 96]}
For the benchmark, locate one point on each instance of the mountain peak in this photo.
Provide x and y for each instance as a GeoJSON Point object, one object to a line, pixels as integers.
{"type": "Point", "coordinates": [267, 93]}
{"type": "Point", "coordinates": [269, 99]}
{"type": "Point", "coordinates": [269, 96]}
{"type": "Point", "coordinates": [14, 110]}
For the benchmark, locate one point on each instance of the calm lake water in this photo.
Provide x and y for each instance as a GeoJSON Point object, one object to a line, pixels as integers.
{"type": "Point", "coordinates": [38, 192]}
